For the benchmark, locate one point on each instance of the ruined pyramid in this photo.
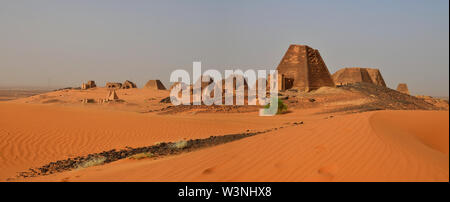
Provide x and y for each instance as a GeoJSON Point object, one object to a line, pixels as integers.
{"type": "Point", "coordinates": [112, 96]}
{"type": "Point", "coordinates": [128, 84]}
{"type": "Point", "coordinates": [403, 88]}
{"type": "Point", "coordinates": [89, 84]}
{"type": "Point", "coordinates": [358, 75]}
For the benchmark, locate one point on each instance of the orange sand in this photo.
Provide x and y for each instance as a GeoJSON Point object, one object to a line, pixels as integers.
{"type": "Point", "coordinates": [34, 135]}
{"type": "Point", "coordinates": [371, 146]}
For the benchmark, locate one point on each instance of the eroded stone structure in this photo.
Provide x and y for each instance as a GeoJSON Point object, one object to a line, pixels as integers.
{"type": "Point", "coordinates": [358, 75]}
{"type": "Point", "coordinates": [128, 84]}
{"type": "Point", "coordinates": [87, 100]}
{"type": "Point", "coordinates": [89, 84]}
{"type": "Point", "coordinates": [403, 88]}
{"type": "Point", "coordinates": [112, 96]}
{"type": "Point", "coordinates": [155, 84]}
{"type": "Point", "coordinates": [303, 68]}
{"type": "Point", "coordinates": [113, 85]}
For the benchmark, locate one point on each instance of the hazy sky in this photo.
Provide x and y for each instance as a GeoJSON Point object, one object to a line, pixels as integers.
{"type": "Point", "coordinates": [63, 43]}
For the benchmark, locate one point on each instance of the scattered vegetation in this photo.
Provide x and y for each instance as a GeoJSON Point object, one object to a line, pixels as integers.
{"type": "Point", "coordinates": [159, 150]}
{"type": "Point", "coordinates": [92, 162]}
{"type": "Point", "coordinates": [180, 144]}
{"type": "Point", "coordinates": [141, 156]}
{"type": "Point", "coordinates": [355, 109]}
{"type": "Point", "coordinates": [49, 101]}
{"type": "Point", "coordinates": [282, 108]}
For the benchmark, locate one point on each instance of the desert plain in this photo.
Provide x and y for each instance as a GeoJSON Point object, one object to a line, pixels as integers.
{"type": "Point", "coordinates": [329, 134]}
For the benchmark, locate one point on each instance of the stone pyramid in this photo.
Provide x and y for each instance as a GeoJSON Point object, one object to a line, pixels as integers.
{"type": "Point", "coordinates": [403, 88]}
{"type": "Point", "coordinates": [351, 75]}
{"type": "Point", "coordinates": [128, 84]}
{"type": "Point", "coordinates": [303, 68]}
{"type": "Point", "coordinates": [358, 75]}
{"type": "Point", "coordinates": [112, 95]}
{"type": "Point", "coordinates": [376, 76]}
{"type": "Point", "coordinates": [155, 84]}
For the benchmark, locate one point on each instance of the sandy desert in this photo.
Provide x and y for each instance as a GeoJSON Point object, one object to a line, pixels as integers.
{"type": "Point", "coordinates": [346, 126]}
{"type": "Point", "coordinates": [347, 133]}
{"type": "Point", "coordinates": [219, 100]}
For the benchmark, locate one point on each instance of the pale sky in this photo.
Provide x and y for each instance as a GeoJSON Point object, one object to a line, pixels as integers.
{"type": "Point", "coordinates": [64, 43]}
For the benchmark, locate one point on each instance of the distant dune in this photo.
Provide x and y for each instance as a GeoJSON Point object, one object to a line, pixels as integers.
{"type": "Point", "coordinates": [12, 94]}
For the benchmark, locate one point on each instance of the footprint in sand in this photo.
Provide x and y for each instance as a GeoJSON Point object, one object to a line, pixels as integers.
{"type": "Point", "coordinates": [325, 173]}
{"type": "Point", "coordinates": [277, 165]}
{"type": "Point", "coordinates": [320, 149]}
{"type": "Point", "coordinates": [328, 172]}
{"type": "Point", "coordinates": [208, 170]}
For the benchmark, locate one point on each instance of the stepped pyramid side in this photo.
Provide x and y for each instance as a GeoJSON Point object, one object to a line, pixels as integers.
{"type": "Point", "coordinates": [376, 76]}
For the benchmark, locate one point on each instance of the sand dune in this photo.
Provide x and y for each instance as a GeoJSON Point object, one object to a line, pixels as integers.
{"type": "Point", "coordinates": [33, 135]}
{"type": "Point", "coordinates": [424, 127]}
{"type": "Point", "coordinates": [371, 146]}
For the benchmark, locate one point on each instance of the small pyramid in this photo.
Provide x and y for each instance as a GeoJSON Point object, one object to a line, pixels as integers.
{"type": "Point", "coordinates": [112, 95]}
{"type": "Point", "coordinates": [155, 84]}
{"type": "Point", "coordinates": [403, 88]}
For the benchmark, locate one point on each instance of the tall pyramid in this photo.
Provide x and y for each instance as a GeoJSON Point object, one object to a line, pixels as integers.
{"type": "Point", "coordinates": [358, 75]}
{"type": "Point", "coordinates": [303, 68]}
{"type": "Point", "coordinates": [403, 88]}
